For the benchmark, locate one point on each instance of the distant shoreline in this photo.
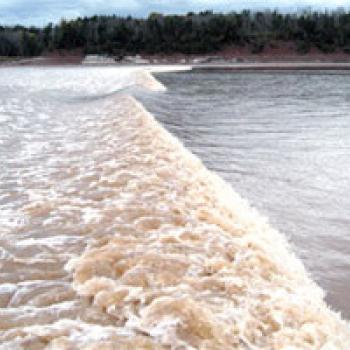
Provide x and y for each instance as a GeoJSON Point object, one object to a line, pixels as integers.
{"type": "Point", "coordinates": [275, 66]}
{"type": "Point", "coordinates": [198, 62]}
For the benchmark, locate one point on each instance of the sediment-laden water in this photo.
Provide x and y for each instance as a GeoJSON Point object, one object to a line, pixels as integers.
{"type": "Point", "coordinates": [114, 236]}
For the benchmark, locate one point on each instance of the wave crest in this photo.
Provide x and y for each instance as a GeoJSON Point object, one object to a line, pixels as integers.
{"type": "Point", "coordinates": [195, 267]}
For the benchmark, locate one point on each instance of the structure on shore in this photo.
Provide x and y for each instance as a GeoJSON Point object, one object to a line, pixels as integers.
{"type": "Point", "coordinates": [104, 59]}
{"type": "Point", "coordinates": [98, 59]}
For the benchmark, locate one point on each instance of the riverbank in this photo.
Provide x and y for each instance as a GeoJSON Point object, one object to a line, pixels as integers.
{"type": "Point", "coordinates": [273, 66]}
{"type": "Point", "coordinates": [282, 57]}
{"type": "Point", "coordinates": [223, 66]}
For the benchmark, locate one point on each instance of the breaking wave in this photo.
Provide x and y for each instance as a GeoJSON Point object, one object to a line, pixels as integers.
{"type": "Point", "coordinates": [134, 244]}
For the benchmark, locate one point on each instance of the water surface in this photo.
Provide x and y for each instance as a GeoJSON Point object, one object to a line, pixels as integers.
{"type": "Point", "coordinates": [283, 141]}
{"type": "Point", "coordinates": [112, 235]}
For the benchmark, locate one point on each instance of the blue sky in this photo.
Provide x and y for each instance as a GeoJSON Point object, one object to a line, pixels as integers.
{"type": "Point", "coordinates": [40, 12]}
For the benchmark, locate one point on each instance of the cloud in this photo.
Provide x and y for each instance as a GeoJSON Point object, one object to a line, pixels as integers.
{"type": "Point", "coordinates": [40, 12]}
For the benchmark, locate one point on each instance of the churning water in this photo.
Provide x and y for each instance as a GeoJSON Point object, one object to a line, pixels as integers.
{"type": "Point", "coordinates": [114, 236]}
{"type": "Point", "coordinates": [283, 141]}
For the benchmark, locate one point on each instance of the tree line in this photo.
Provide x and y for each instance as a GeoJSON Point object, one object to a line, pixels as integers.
{"type": "Point", "coordinates": [193, 33]}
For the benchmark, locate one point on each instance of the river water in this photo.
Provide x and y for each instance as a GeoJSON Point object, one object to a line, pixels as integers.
{"type": "Point", "coordinates": [283, 141]}
{"type": "Point", "coordinates": [113, 236]}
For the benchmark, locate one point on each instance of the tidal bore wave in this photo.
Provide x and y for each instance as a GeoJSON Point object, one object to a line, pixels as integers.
{"type": "Point", "coordinates": [145, 248]}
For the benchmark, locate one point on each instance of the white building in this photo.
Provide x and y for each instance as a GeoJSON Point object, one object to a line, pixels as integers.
{"type": "Point", "coordinates": [98, 59]}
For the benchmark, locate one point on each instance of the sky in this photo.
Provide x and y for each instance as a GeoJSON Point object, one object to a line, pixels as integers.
{"type": "Point", "coordinates": [41, 12]}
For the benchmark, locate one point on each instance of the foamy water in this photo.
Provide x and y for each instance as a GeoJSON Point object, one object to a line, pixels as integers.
{"type": "Point", "coordinates": [114, 236]}
{"type": "Point", "coordinates": [283, 140]}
